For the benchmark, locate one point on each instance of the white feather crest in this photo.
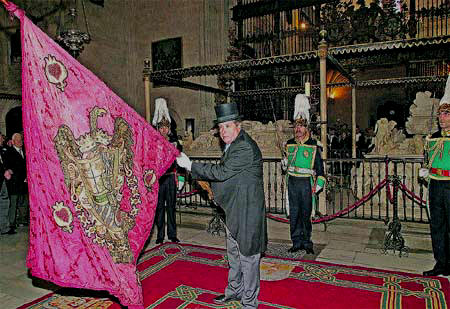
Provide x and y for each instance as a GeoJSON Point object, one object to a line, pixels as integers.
{"type": "Point", "coordinates": [161, 111]}
{"type": "Point", "coordinates": [301, 107]}
{"type": "Point", "coordinates": [446, 98]}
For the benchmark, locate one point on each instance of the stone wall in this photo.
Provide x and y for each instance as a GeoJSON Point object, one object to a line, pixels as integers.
{"type": "Point", "coordinates": [122, 33]}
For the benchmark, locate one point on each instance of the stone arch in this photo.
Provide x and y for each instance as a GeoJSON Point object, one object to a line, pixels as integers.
{"type": "Point", "coordinates": [392, 107]}
{"type": "Point", "coordinates": [6, 105]}
{"type": "Point", "coordinates": [13, 121]}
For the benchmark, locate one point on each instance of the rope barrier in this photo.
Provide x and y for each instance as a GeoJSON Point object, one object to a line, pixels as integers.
{"type": "Point", "coordinates": [346, 210]}
{"type": "Point", "coordinates": [413, 195]}
{"type": "Point", "coordinates": [187, 194]}
{"type": "Point", "coordinates": [342, 212]}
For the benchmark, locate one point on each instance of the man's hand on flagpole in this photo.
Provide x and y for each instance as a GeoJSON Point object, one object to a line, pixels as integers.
{"type": "Point", "coordinates": [183, 161]}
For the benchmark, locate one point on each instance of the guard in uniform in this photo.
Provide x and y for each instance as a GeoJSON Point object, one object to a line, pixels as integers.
{"type": "Point", "coordinates": [437, 147]}
{"type": "Point", "coordinates": [305, 176]}
{"type": "Point", "coordinates": [170, 181]}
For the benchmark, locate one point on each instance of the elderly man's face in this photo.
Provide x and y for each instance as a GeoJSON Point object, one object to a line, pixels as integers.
{"type": "Point", "coordinates": [17, 141]}
{"type": "Point", "coordinates": [229, 131]}
{"type": "Point", "coordinates": [444, 120]}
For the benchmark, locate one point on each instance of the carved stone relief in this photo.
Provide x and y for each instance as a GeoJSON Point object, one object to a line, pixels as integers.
{"type": "Point", "coordinates": [423, 113]}
{"type": "Point", "coordinates": [265, 135]}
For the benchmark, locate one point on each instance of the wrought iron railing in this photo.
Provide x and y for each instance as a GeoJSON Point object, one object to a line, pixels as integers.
{"type": "Point", "coordinates": [356, 189]}
{"type": "Point", "coordinates": [271, 28]}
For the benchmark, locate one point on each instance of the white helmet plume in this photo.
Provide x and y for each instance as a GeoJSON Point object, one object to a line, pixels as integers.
{"type": "Point", "coordinates": [161, 111]}
{"type": "Point", "coordinates": [446, 98]}
{"type": "Point", "coordinates": [301, 107]}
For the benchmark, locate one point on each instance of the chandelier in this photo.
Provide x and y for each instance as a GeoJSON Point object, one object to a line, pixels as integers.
{"type": "Point", "coordinates": [70, 36]}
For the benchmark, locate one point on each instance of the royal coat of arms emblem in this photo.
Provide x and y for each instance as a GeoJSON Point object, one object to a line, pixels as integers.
{"type": "Point", "coordinates": [96, 168]}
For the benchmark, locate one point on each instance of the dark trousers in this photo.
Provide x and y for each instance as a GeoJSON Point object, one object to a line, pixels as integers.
{"type": "Point", "coordinates": [19, 212]}
{"type": "Point", "coordinates": [439, 201]}
{"type": "Point", "coordinates": [166, 203]}
{"type": "Point", "coordinates": [300, 207]}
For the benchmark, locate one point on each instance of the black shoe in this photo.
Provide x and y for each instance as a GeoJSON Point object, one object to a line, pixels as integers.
{"type": "Point", "coordinates": [10, 232]}
{"type": "Point", "coordinates": [436, 272]}
{"type": "Point", "coordinates": [174, 239]}
{"type": "Point", "coordinates": [309, 250]}
{"type": "Point", "coordinates": [294, 249]}
{"type": "Point", "coordinates": [222, 299]}
{"type": "Point", "coordinates": [159, 241]}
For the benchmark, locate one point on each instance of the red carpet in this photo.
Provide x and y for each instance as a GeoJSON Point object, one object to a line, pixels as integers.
{"type": "Point", "coordinates": [188, 276]}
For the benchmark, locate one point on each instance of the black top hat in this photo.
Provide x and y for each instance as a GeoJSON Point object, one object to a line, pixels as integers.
{"type": "Point", "coordinates": [227, 112]}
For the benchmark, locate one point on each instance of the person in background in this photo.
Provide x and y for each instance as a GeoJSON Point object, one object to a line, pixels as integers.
{"type": "Point", "coordinates": [169, 182]}
{"type": "Point", "coordinates": [305, 177]}
{"type": "Point", "coordinates": [5, 174]}
{"type": "Point", "coordinates": [237, 184]}
{"type": "Point", "coordinates": [437, 172]}
{"type": "Point", "coordinates": [19, 212]}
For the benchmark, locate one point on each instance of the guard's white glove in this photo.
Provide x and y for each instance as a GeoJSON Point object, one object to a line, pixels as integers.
{"type": "Point", "coordinates": [184, 161]}
{"type": "Point", "coordinates": [284, 164]}
{"type": "Point", "coordinates": [317, 189]}
{"type": "Point", "coordinates": [180, 185]}
{"type": "Point", "coordinates": [423, 172]}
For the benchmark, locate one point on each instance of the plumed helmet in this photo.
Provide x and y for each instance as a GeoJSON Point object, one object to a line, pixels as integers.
{"type": "Point", "coordinates": [301, 110]}
{"type": "Point", "coordinates": [161, 116]}
{"type": "Point", "coordinates": [444, 104]}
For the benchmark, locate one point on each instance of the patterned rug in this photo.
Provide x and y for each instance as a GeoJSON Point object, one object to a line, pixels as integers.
{"type": "Point", "coordinates": [188, 276]}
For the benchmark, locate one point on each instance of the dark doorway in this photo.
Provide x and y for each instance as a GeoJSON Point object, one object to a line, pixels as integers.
{"type": "Point", "coordinates": [13, 121]}
{"type": "Point", "coordinates": [392, 110]}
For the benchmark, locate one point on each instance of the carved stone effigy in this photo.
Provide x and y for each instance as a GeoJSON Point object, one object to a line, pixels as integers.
{"type": "Point", "coordinates": [207, 144]}
{"type": "Point", "coordinates": [423, 115]}
{"type": "Point", "coordinates": [391, 142]}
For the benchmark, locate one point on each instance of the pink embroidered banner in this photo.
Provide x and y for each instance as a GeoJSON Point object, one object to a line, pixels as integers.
{"type": "Point", "coordinates": [93, 167]}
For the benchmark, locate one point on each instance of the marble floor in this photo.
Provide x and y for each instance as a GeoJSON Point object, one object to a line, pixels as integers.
{"type": "Point", "coordinates": [343, 241]}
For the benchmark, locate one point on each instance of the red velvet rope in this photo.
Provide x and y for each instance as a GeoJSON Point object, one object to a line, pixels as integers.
{"type": "Point", "coordinates": [342, 212]}
{"type": "Point", "coordinates": [412, 194]}
{"type": "Point", "coordinates": [187, 194]}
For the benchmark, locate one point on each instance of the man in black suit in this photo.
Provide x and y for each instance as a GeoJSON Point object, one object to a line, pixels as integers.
{"type": "Point", "coordinates": [237, 184]}
{"type": "Point", "coordinates": [5, 227]}
{"type": "Point", "coordinates": [17, 185]}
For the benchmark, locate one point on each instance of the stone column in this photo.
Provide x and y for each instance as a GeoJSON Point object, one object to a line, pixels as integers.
{"type": "Point", "coordinates": [147, 71]}
{"type": "Point", "coordinates": [323, 51]}
{"type": "Point", "coordinates": [354, 121]}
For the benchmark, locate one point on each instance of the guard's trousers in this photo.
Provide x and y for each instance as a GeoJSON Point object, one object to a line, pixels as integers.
{"type": "Point", "coordinates": [166, 203]}
{"type": "Point", "coordinates": [439, 201]}
{"type": "Point", "coordinates": [300, 208]}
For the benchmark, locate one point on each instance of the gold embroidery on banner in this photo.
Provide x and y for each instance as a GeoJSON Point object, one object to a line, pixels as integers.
{"type": "Point", "coordinates": [55, 72]}
{"type": "Point", "coordinates": [63, 216]}
{"type": "Point", "coordinates": [96, 168]}
{"type": "Point", "coordinates": [306, 153]}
